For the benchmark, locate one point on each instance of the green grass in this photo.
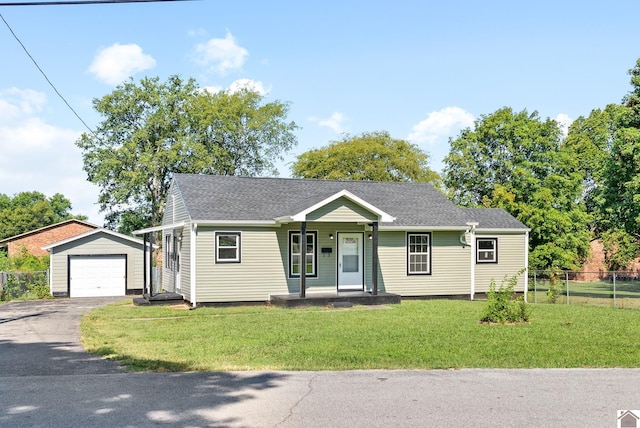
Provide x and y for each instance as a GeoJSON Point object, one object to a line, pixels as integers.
{"type": "Point", "coordinates": [433, 334]}
{"type": "Point", "coordinates": [598, 293]}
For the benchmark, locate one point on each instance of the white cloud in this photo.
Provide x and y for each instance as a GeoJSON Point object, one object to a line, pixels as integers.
{"type": "Point", "coordinates": [440, 124]}
{"type": "Point", "coordinates": [212, 89]}
{"type": "Point", "coordinates": [252, 85]}
{"type": "Point", "coordinates": [221, 55]}
{"type": "Point", "coordinates": [334, 122]}
{"type": "Point", "coordinates": [436, 130]}
{"type": "Point", "coordinates": [564, 121]}
{"type": "Point", "coordinates": [118, 62]}
{"type": "Point", "coordinates": [15, 102]}
{"type": "Point", "coordinates": [37, 156]}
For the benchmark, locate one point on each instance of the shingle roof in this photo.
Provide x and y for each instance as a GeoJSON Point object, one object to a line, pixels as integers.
{"type": "Point", "coordinates": [493, 218]}
{"type": "Point", "coordinates": [232, 198]}
{"type": "Point", "coordinates": [5, 241]}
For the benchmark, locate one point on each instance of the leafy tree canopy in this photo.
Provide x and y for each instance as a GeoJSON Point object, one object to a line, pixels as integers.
{"type": "Point", "coordinates": [589, 140]}
{"type": "Point", "coordinates": [28, 211]}
{"type": "Point", "coordinates": [517, 161]}
{"type": "Point", "coordinates": [369, 156]}
{"type": "Point", "coordinates": [620, 208]}
{"type": "Point", "coordinates": [154, 129]}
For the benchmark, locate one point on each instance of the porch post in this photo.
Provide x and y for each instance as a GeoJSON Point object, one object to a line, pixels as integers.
{"type": "Point", "coordinates": [303, 257]}
{"type": "Point", "coordinates": [151, 264]}
{"type": "Point", "coordinates": [374, 259]}
{"type": "Point", "coordinates": [144, 263]}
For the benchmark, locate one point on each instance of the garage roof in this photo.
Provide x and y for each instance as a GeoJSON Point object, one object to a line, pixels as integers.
{"type": "Point", "coordinates": [93, 232]}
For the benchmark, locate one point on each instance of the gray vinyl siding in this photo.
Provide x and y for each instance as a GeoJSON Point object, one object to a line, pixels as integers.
{"type": "Point", "coordinates": [185, 264]}
{"type": "Point", "coordinates": [174, 212]}
{"type": "Point", "coordinates": [264, 265]}
{"type": "Point", "coordinates": [341, 210]}
{"type": "Point", "coordinates": [261, 271]}
{"type": "Point", "coordinates": [97, 244]}
{"type": "Point", "coordinates": [511, 259]}
{"type": "Point", "coordinates": [450, 266]}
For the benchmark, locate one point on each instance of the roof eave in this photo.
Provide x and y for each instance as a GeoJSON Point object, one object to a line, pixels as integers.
{"type": "Point", "coordinates": [423, 228]}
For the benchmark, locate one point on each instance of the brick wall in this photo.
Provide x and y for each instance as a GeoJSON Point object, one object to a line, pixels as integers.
{"type": "Point", "coordinates": [595, 270]}
{"type": "Point", "coordinates": [34, 243]}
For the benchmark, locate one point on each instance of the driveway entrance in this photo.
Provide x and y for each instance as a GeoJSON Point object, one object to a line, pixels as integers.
{"type": "Point", "coordinates": [43, 338]}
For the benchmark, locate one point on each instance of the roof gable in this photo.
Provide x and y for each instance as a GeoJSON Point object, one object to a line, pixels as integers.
{"type": "Point", "coordinates": [302, 215]}
{"type": "Point", "coordinates": [90, 233]}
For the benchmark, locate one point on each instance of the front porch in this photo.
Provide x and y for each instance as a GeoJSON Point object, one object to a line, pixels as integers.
{"type": "Point", "coordinates": [338, 299]}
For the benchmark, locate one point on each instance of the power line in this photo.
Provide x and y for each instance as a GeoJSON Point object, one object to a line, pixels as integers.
{"type": "Point", "coordinates": [46, 77]}
{"type": "Point", "coordinates": [74, 2]}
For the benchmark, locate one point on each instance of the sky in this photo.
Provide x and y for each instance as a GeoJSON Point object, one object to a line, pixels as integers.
{"type": "Point", "coordinates": [421, 70]}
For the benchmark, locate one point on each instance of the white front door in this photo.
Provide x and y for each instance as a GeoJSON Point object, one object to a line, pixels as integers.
{"type": "Point", "coordinates": [350, 261]}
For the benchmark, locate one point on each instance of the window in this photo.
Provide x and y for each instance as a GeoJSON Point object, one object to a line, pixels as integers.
{"type": "Point", "coordinates": [227, 247]}
{"type": "Point", "coordinates": [487, 250]}
{"type": "Point", "coordinates": [295, 254]}
{"type": "Point", "coordinates": [167, 251]}
{"type": "Point", "coordinates": [419, 253]}
{"type": "Point", "coordinates": [171, 252]}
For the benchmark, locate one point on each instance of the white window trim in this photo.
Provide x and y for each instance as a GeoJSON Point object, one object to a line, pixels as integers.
{"type": "Point", "coordinates": [409, 253]}
{"type": "Point", "coordinates": [238, 247]}
{"type": "Point", "coordinates": [494, 251]}
{"type": "Point", "coordinates": [304, 260]}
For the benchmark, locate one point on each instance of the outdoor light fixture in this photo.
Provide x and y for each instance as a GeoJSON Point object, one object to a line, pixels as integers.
{"type": "Point", "coordinates": [331, 236]}
{"type": "Point", "coordinates": [370, 236]}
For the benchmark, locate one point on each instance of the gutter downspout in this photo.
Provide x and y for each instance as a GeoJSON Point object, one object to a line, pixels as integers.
{"type": "Point", "coordinates": [472, 244]}
{"type": "Point", "coordinates": [526, 265]}
{"type": "Point", "coordinates": [192, 264]}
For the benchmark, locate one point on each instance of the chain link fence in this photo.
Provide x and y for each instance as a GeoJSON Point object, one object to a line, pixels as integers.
{"type": "Point", "coordinates": [24, 285]}
{"type": "Point", "coordinates": [617, 289]}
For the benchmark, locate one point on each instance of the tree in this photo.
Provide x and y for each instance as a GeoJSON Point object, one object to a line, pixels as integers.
{"type": "Point", "coordinates": [369, 156]}
{"type": "Point", "coordinates": [154, 129]}
{"type": "Point", "coordinates": [517, 161]}
{"type": "Point", "coordinates": [621, 183]}
{"type": "Point", "coordinates": [28, 211]}
{"type": "Point", "coordinates": [589, 141]}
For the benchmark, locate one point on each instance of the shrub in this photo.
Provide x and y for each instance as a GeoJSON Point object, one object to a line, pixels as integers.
{"type": "Point", "coordinates": [554, 288]}
{"type": "Point", "coordinates": [25, 285]}
{"type": "Point", "coordinates": [503, 305]}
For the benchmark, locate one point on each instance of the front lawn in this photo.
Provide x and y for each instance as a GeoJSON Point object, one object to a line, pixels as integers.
{"type": "Point", "coordinates": [430, 334]}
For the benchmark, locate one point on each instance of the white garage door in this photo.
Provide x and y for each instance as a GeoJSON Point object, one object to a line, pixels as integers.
{"type": "Point", "coordinates": [97, 276]}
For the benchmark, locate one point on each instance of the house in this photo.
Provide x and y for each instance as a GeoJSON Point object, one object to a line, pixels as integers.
{"type": "Point", "coordinates": [241, 239]}
{"type": "Point", "coordinates": [34, 240]}
{"type": "Point", "coordinates": [96, 263]}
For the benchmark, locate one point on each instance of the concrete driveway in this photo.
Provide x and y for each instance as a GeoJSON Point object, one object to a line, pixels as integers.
{"type": "Point", "coordinates": [47, 380]}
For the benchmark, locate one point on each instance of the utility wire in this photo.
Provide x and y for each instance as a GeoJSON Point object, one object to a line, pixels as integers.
{"type": "Point", "coordinates": [72, 2]}
{"type": "Point", "coordinates": [46, 77]}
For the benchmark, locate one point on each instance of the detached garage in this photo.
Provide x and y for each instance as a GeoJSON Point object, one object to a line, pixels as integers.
{"type": "Point", "coordinates": [97, 263]}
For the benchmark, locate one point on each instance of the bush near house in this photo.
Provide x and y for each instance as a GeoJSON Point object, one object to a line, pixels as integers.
{"type": "Point", "coordinates": [24, 276]}
{"type": "Point", "coordinates": [503, 306]}
{"type": "Point", "coordinates": [24, 285]}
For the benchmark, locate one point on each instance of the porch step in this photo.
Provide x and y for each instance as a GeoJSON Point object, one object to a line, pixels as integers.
{"type": "Point", "coordinates": [158, 299]}
{"type": "Point", "coordinates": [333, 299]}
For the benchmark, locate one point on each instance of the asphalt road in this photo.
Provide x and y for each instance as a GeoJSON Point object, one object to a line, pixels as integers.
{"type": "Point", "coordinates": [47, 380]}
